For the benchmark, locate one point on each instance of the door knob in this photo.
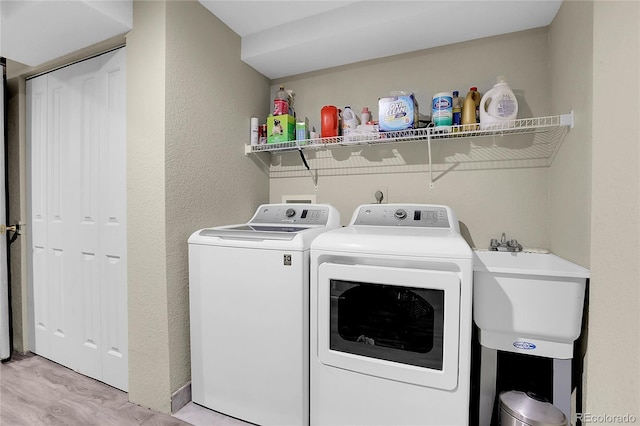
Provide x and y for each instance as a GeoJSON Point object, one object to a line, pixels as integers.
{"type": "Point", "coordinates": [5, 228]}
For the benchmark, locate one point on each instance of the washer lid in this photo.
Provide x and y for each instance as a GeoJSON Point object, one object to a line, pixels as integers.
{"type": "Point", "coordinates": [274, 226]}
{"type": "Point", "coordinates": [532, 411]}
{"type": "Point", "coordinates": [254, 232]}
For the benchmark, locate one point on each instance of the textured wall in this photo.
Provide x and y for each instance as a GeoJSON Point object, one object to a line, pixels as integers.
{"type": "Point", "coordinates": [571, 55]}
{"type": "Point", "coordinates": [149, 366]}
{"type": "Point", "coordinates": [613, 375]}
{"type": "Point", "coordinates": [210, 97]}
{"type": "Point", "coordinates": [189, 104]}
{"type": "Point", "coordinates": [489, 201]}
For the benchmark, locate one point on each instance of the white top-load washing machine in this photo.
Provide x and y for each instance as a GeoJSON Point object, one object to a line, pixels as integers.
{"type": "Point", "coordinates": [249, 307]}
{"type": "Point", "coordinates": [391, 297]}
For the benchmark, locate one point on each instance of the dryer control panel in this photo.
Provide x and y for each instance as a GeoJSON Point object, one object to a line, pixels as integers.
{"type": "Point", "coordinates": [413, 215]}
{"type": "Point", "coordinates": [300, 214]}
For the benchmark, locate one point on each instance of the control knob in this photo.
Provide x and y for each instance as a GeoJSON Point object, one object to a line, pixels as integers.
{"type": "Point", "coordinates": [400, 214]}
{"type": "Point", "coordinates": [290, 213]}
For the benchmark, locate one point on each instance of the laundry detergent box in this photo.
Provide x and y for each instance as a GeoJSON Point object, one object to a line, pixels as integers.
{"type": "Point", "coordinates": [281, 128]}
{"type": "Point", "coordinates": [397, 113]}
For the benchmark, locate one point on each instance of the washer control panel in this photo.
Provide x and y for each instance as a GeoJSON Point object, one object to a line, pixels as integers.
{"type": "Point", "coordinates": [301, 214]}
{"type": "Point", "coordinates": [413, 215]}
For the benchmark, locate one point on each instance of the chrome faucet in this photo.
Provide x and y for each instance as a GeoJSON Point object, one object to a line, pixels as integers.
{"type": "Point", "coordinates": [504, 245]}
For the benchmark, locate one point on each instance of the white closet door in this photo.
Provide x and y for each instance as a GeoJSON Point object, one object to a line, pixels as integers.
{"type": "Point", "coordinates": [79, 214]}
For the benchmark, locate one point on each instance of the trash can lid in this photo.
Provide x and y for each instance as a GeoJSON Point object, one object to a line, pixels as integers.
{"type": "Point", "coordinates": [530, 409]}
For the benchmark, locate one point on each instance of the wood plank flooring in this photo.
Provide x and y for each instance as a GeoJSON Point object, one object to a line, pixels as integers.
{"type": "Point", "coordinates": [35, 391]}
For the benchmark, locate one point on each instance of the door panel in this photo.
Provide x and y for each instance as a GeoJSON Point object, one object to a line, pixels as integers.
{"type": "Point", "coordinates": [59, 238]}
{"type": "Point", "coordinates": [37, 118]}
{"type": "Point", "coordinates": [113, 225]}
{"type": "Point", "coordinates": [78, 207]}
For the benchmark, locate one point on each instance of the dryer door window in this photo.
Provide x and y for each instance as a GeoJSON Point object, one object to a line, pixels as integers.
{"type": "Point", "coordinates": [396, 323]}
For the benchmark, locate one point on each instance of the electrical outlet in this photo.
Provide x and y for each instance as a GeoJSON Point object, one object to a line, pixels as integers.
{"type": "Point", "coordinates": [381, 195]}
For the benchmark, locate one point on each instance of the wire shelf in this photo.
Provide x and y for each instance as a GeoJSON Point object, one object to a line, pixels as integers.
{"type": "Point", "coordinates": [520, 126]}
{"type": "Point", "coordinates": [468, 147]}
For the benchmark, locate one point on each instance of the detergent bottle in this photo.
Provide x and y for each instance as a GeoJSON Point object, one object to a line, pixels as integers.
{"type": "Point", "coordinates": [329, 121]}
{"type": "Point", "coordinates": [498, 105]}
{"type": "Point", "coordinates": [457, 108]}
{"type": "Point", "coordinates": [365, 115]}
{"type": "Point", "coordinates": [349, 121]}
{"type": "Point", "coordinates": [469, 109]}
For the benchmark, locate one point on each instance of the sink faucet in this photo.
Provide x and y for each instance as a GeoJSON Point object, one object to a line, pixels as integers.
{"type": "Point", "coordinates": [504, 245]}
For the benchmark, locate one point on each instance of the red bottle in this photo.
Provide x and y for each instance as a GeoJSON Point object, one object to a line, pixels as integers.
{"type": "Point", "coordinates": [329, 121]}
{"type": "Point", "coordinates": [281, 102]}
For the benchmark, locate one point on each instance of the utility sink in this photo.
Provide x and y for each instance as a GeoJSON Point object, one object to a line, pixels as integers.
{"type": "Point", "coordinates": [528, 302]}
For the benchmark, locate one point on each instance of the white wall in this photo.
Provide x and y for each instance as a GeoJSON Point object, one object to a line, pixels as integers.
{"type": "Point", "coordinates": [613, 372]}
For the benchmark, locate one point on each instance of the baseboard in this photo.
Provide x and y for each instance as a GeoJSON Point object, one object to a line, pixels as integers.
{"type": "Point", "coordinates": [180, 398]}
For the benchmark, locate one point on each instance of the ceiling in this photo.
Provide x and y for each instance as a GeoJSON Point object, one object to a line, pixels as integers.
{"type": "Point", "coordinates": [283, 38]}
{"type": "Point", "coordinates": [33, 32]}
{"type": "Point", "coordinates": [279, 38]}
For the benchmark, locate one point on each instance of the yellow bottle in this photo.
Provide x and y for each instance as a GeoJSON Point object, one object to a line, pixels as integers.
{"type": "Point", "coordinates": [469, 110]}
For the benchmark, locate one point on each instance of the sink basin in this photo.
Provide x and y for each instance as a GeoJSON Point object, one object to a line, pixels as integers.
{"type": "Point", "coordinates": [528, 302]}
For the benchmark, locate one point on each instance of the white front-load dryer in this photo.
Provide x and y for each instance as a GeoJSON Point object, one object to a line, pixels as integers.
{"type": "Point", "coordinates": [391, 318]}
{"type": "Point", "coordinates": [249, 311]}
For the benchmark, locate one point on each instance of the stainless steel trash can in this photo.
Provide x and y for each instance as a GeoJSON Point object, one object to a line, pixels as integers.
{"type": "Point", "coordinates": [525, 409]}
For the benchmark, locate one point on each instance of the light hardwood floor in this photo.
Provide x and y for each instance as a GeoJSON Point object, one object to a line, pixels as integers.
{"type": "Point", "coordinates": [35, 391]}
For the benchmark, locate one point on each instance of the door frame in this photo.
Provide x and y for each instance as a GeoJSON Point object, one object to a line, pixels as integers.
{"type": "Point", "coordinates": [6, 337]}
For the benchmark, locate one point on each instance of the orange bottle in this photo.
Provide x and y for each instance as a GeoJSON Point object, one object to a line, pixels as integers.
{"type": "Point", "coordinates": [329, 121]}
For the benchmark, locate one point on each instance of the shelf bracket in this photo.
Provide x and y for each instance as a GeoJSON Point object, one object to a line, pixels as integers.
{"type": "Point", "coordinates": [430, 165]}
{"type": "Point", "coordinates": [567, 120]}
{"type": "Point", "coordinates": [306, 165]}
{"type": "Point", "coordinates": [262, 159]}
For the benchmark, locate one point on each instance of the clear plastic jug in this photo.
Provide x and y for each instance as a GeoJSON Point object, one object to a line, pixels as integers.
{"type": "Point", "coordinates": [498, 105]}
